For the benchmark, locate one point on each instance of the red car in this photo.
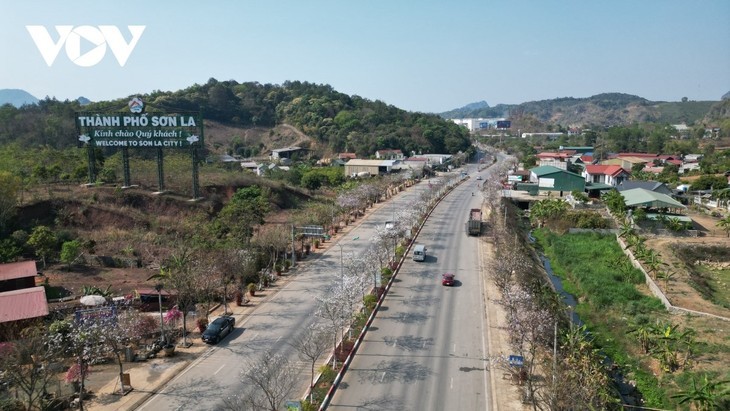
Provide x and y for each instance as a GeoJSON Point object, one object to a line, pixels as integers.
{"type": "Point", "coordinates": [447, 279]}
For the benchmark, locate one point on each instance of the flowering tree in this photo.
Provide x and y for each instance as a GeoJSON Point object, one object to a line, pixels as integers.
{"type": "Point", "coordinates": [271, 378]}
{"type": "Point", "coordinates": [24, 366]}
{"type": "Point", "coordinates": [330, 308]}
{"type": "Point", "coordinates": [311, 344]}
{"type": "Point", "coordinates": [84, 341]}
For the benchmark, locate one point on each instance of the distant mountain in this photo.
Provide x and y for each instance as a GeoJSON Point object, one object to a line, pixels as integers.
{"type": "Point", "coordinates": [607, 109]}
{"type": "Point", "coordinates": [16, 97]}
{"type": "Point", "coordinates": [479, 105]}
{"type": "Point", "coordinates": [726, 96]}
{"type": "Point", "coordinates": [83, 101]}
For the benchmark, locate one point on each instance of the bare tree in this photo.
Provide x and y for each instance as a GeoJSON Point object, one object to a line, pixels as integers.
{"type": "Point", "coordinates": [272, 379]}
{"type": "Point", "coordinates": [310, 345]}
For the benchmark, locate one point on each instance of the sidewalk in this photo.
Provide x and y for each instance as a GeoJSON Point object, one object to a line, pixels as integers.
{"type": "Point", "coordinates": [149, 377]}
{"type": "Point", "coordinates": [506, 394]}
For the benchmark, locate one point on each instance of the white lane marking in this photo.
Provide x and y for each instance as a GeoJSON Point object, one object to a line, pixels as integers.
{"type": "Point", "coordinates": [454, 348]}
{"type": "Point", "coordinates": [452, 383]}
{"type": "Point", "coordinates": [219, 369]}
{"type": "Point", "coordinates": [277, 340]}
{"type": "Point", "coordinates": [383, 377]}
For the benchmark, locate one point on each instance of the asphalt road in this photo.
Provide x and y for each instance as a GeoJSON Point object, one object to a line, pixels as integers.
{"type": "Point", "coordinates": [426, 348]}
{"type": "Point", "coordinates": [216, 375]}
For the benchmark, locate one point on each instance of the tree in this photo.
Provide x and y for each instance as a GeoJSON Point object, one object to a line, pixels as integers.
{"type": "Point", "coordinates": [709, 182]}
{"type": "Point", "coordinates": [118, 335]}
{"type": "Point", "coordinates": [83, 341]}
{"type": "Point", "coordinates": [246, 210]}
{"type": "Point", "coordinates": [9, 189]}
{"type": "Point", "coordinates": [709, 396]}
{"type": "Point", "coordinates": [724, 224]}
{"type": "Point", "coordinates": [43, 242]}
{"type": "Point", "coordinates": [311, 344]}
{"type": "Point", "coordinates": [272, 379]}
{"type": "Point", "coordinates": [25, 363]}
{"type": "Point", "coordinates": [70, 251]}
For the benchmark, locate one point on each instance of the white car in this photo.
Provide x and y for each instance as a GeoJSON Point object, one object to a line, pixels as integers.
{"type": "Point", "coordinates": [389, 225]}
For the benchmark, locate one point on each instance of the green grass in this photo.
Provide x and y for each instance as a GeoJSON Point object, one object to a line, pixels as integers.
{"type": "Point", "coordinates": [719, 281]}
{"type": "Point", "coordinates": [609, 301]}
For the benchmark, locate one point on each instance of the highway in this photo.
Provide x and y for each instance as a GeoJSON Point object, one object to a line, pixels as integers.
{"type": "Point", "coordinates": [216, 375]}
{"type": "Point", "coordinates": [426, 348]}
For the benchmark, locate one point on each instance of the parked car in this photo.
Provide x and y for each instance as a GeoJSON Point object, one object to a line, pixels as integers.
{"type": "Point", "coordinates": [219, 328]}
{"type": "Point", "coordinates": [447, 279]}
{"type": "Point", "coordinates": [479, 177]}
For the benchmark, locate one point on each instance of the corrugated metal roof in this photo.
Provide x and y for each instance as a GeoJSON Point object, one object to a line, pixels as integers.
{"type": "Point", "coordinates": [544, 170]}
{"type": "Point", "coordinates": [23, 304]}
{"type": "Point", "coordinates": [22, 269]}
{"type": "Point", "coordinates": [640, 197]}
{"type": "Point", "coordinates": [364, 162]}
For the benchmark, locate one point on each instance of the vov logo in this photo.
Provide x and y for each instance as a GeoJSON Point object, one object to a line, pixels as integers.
{"type": "Point", "coordinates": [99, 37]}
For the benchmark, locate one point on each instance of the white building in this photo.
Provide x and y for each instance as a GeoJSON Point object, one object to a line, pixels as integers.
{"type": "Point", "coordinates": [474, 124]}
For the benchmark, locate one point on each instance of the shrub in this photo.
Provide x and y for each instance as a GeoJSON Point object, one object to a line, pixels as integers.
{"type": "Point", "coordinates": [370, 301]}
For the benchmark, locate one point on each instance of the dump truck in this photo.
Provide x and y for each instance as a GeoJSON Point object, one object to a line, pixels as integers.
{"type": "Point", "coordinates": [474, 225]}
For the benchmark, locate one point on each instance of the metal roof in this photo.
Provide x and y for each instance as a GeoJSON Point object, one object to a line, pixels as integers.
{"type": "Point", "coordinates": [11, 271]}
{"type": "Point", "coordinates": [23, 304]}
{"type": "Point", "coordinates": [640, 197]}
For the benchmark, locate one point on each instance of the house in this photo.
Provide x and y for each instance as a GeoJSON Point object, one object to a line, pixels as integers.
{"type": "Point", "coordinates": [282, 153]}
{"type": "Point", "coordinates": [253, 167]}
{"type": "Point", "coordinates": [346, 156]}
{"type": "Point", "coordinates": [418, 165]}
{"type": "Point", "coordinates": [628, 162]}
{"type": "Point", "coordinates": [654, 186]}
{"type": "Point", "coordinates": [371, 167]}
{"type": "Point", "coordinates": [561, 159]}
{"type": "Point", "coordinates": [549, 178]}
{"type": "Point", "coordinates": [20, 299]}
{"type": "Point", "coordinates": [687, 167]}
{"type": "Point", "coordinates": [389, 154]}
{"type": "Point", "coordinates": [605, 174]}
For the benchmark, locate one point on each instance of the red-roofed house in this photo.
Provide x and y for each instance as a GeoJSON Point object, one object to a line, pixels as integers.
{"type": "Point", "coordinates": [605, 174]}
{"type": "Point", "coordinates": [20, 299]}
{"type": "Point", "coordinates": [346, 156]}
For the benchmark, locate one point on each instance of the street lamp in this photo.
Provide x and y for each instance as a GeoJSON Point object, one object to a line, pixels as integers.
{"type": "Point", "coordinates": [158, 288]}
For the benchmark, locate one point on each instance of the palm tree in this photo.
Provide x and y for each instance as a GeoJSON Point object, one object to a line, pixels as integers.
{"type": "Point", "coordinates": [705, 397]}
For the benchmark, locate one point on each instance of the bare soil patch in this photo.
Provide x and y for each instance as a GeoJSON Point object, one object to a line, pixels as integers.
{"type": "Point", "coordinates": [679, 289]}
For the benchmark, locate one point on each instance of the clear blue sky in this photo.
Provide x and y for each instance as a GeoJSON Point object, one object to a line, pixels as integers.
{"type": "Point", "coordinates": [423, 55]}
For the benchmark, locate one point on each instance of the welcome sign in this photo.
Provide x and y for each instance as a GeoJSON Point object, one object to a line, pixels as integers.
{"type": "Point", "coordinates": [139, 130]}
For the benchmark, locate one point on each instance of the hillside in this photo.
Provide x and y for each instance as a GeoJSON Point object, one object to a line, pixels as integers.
{"type": "Point", "coordinates": [316, 114]}
{"type": "Point", "coordinates": [608, 109]}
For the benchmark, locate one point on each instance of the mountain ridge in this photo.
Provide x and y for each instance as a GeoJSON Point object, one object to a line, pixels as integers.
{"type": "Point", "coordinates": [605, 109]}
{"type": "Point", "coordinates": [16, 97]}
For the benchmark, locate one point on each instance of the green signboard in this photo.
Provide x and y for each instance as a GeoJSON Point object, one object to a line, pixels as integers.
{"type": "Point", "coordinates": [140, 130]}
